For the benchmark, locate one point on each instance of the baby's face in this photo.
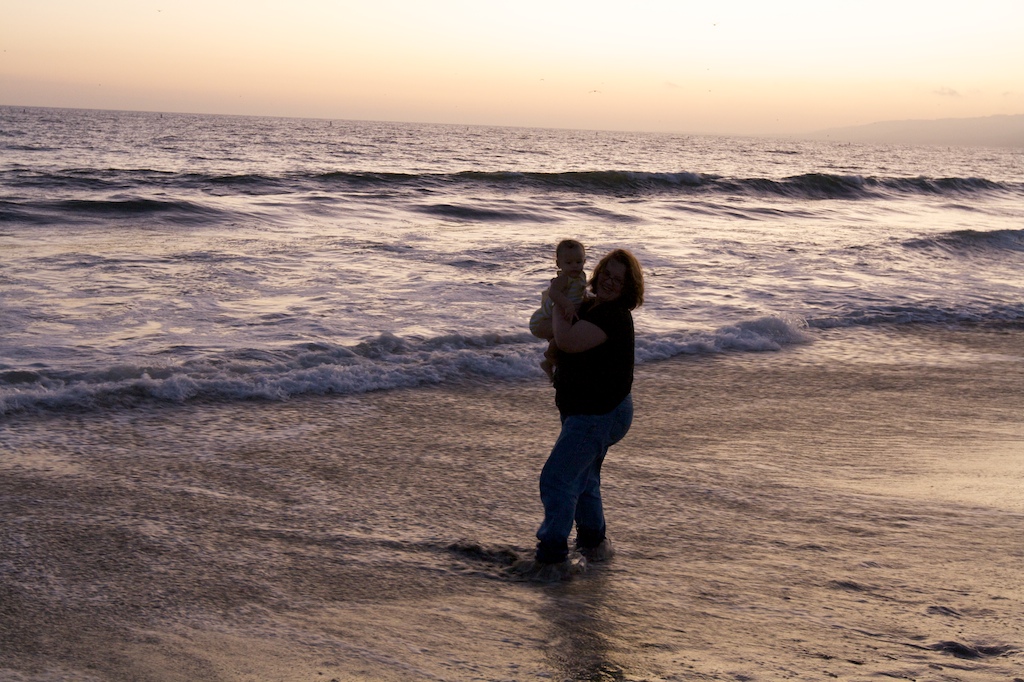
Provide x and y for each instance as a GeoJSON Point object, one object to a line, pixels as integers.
{"type": "Point", "coordinates": [571, 262]}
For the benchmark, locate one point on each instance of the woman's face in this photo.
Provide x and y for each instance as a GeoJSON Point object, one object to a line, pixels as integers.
{"type": "Point", "coordinates": [611, 281]}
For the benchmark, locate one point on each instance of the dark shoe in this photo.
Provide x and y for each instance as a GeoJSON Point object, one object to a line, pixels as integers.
{"type": "Point", "coordinates": [531, 570]}
{"type": "Point", "coordinates": [601, 552]}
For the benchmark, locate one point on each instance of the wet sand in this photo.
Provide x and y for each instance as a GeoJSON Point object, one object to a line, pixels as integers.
{"type": "Point", "coordinates": [850, 509]}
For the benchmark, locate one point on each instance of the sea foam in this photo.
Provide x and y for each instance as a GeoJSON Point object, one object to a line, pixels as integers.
{"type": "Point", "coordinates": [384, 362]}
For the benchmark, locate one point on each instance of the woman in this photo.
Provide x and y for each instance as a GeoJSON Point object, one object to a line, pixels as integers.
{"type": "Point", "coordinates": [593, 379]}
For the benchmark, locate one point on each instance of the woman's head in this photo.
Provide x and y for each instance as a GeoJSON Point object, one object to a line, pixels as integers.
{"type": "Point", "coordinates": [618, 277]}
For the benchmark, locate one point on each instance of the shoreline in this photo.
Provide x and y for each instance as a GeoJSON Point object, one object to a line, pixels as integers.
{"type": "Point", "coordinates": [787, 514]}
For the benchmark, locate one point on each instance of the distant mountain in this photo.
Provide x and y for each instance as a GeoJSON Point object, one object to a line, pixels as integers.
{"type": "Point", "coordinates": [989, 131]}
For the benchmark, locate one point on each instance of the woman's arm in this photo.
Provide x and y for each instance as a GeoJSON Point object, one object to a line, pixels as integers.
{"type": "Point", "coordinates": [575, 338]}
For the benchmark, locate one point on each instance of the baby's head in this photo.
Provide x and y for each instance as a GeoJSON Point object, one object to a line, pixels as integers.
{"type": "Point", "coordinates": [570, 256]}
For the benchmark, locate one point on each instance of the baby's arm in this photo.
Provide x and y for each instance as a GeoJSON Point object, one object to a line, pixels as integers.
{"type": "Point", "coordinates": [557, 292]}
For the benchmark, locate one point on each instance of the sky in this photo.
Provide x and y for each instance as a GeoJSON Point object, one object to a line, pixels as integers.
{"type": "Point", "coordinates": [720, 66]}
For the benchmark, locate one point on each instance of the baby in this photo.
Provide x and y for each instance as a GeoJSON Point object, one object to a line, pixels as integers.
{"type": "Point", "coordinates": [570, 257]}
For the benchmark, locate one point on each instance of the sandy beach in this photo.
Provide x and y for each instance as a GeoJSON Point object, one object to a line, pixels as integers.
{"type": "Point", "coordinates": [848, 509]}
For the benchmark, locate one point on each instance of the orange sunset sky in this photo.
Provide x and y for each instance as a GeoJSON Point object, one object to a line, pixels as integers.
{"type": "Point", "coordinates": [696, 67]}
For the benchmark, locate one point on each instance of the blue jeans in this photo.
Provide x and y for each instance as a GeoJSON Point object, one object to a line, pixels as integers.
{"type": "Point", "coordinates": [570, 482]}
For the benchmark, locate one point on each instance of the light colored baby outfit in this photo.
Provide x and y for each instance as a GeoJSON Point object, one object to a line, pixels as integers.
{"type": "Point", "coordinates": [575, 292]}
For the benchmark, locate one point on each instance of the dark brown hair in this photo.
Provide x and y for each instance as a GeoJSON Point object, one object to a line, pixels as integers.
{"type": "Point", "coordinates": [632, 295]}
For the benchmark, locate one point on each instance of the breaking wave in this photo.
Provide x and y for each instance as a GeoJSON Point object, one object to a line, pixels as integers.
{"type": "Point", "coordinates": [971, 241]}
{"type": "Point", "coordinates": [380, 363]}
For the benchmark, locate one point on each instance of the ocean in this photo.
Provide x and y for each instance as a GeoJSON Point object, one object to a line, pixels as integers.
{"type": "Point", "coordinates": [169, 257]}
{"type": "Point", "coordinates": [270, 409]}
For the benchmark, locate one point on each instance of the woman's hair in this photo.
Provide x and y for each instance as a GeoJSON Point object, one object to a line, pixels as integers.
{"type": "Point", "coordinates": [632, 295]}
